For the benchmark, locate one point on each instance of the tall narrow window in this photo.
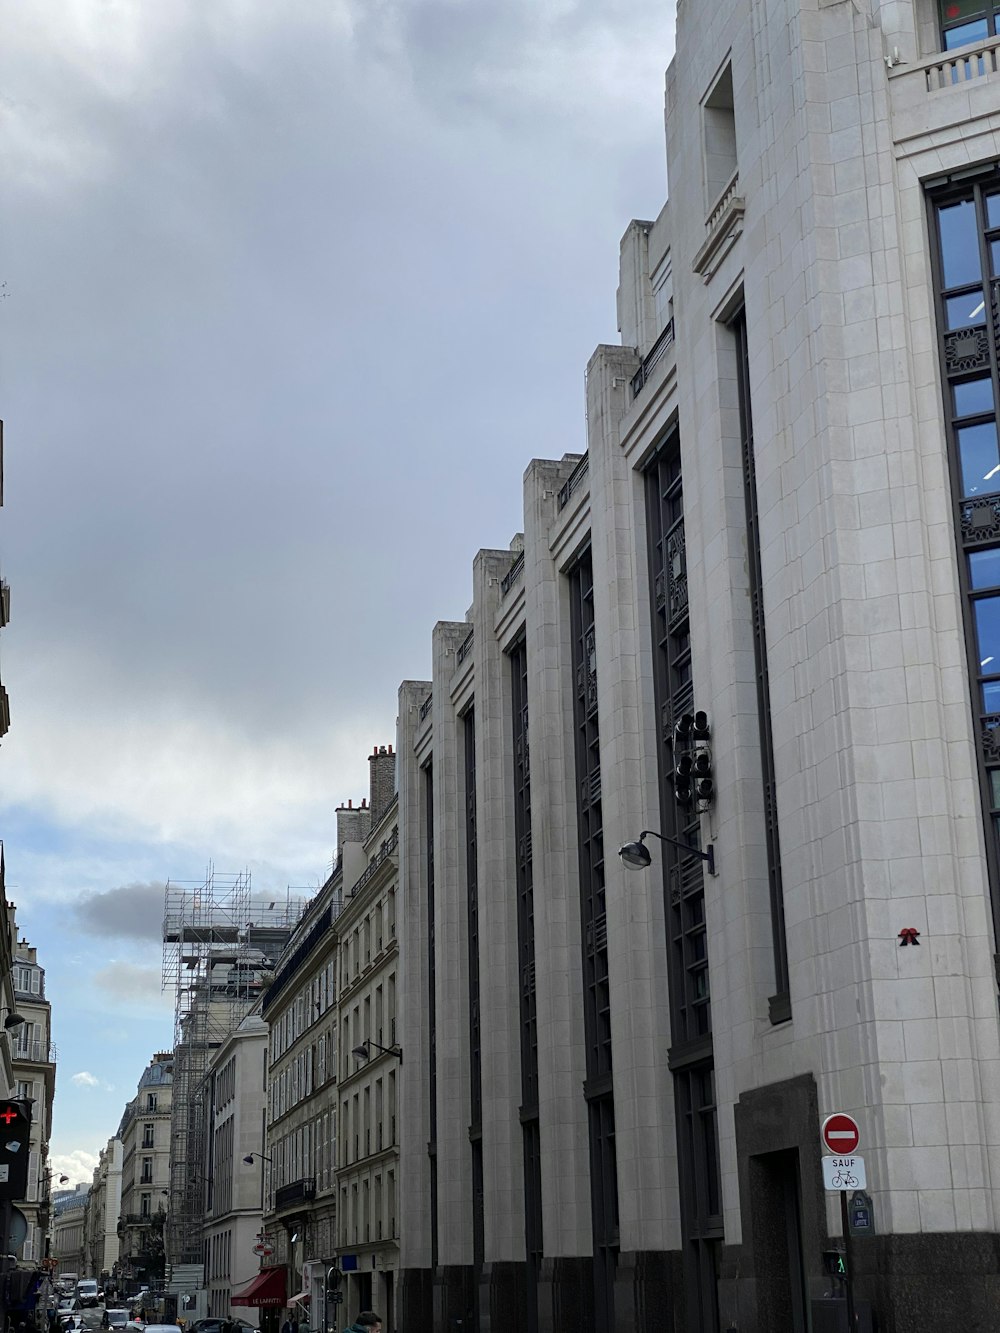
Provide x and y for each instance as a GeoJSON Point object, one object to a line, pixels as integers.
{"type": "Point", "coordinates": [966, 225]}
{"type": "Point", "coordinates": [691, 1052]}
{"type": "Point", "coordinates": [475, 1036]}
{"type": "Point", "coordinates": [719, 137]}
{"type": "Point", "coordinates": [780, 1004]}
{"type": "Point", "coordinates": [530, 1130]}
{"type": "Point", "coordinates": [431, 1005]}
{"type": "Point", "coordinates": [596, 989]}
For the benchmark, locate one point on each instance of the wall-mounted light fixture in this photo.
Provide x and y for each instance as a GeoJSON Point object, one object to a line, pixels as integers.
{"type": "Point", "coordinates": [364, 1051]}
{"type": "Point", "coordinates": [636, 854]}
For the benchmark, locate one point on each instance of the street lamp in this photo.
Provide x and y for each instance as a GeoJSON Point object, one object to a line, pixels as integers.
{"type": "Point", "coordinates": [364, 1052]}
{"type": "Point", "coordinates": [636, 854]}
{"type": "Point", "coordinates": [13, 1020]}
{"type": "Point", "coordinates": [251, 1155]}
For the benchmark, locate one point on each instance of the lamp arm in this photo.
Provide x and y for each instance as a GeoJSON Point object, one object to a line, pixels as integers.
{"type": "Point", "coordinates": [708, 855]}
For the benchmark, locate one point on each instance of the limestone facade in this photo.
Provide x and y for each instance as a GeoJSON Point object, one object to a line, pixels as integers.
{"type": "Point", "coordinates": [615, 1078]}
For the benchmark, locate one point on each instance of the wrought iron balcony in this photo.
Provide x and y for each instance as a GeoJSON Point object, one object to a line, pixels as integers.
{"type": "Point", "coordinates": [299, 1191]}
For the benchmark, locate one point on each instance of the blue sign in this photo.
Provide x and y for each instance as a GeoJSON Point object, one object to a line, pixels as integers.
{"type": "Point", "coordinates": [348, 1263]}
{"type": "Point", "coordinates": [861, 1214]}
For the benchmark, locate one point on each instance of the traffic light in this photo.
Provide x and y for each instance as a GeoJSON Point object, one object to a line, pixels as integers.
{"type": "Point", "coordinates": [682, 731]}
{"type": "Point", "coordinates": [15, 1138]}
{"type": "Point", "coordinates": [834, 1263]}
{"type": "Point", "coordinates": [704, 787]}
{"type": "Point", "coordinates": [683, 789]}
{"type": "Point", "coordinates": [699, 726]}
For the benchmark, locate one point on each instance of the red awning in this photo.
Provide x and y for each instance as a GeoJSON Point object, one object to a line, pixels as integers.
{"type": "Point", "coordinates": [267, 1288]}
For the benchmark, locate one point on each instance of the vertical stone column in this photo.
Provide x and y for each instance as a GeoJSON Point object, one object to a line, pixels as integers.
{"type": "Point", "coordinates": [566, 1284]}
{"type": "Point", "coordinates": [414, 1190]}
{"type": "Point", "coordinates": [452, 1280]}
{"type": "Point", "coordinates": [645, 1134]}
{"type": "Point", "coordinates": [499, 979]}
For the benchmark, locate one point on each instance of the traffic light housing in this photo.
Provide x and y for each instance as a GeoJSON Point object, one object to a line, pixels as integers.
{"type": "Point", "coordinates": [834, 1263]}
{"type": "Point", "coordinates": [15, 1148]}
{"type": "Point", "coordinates": [693, 779]}
{"type": "Point", "coordinates": [683, 771]}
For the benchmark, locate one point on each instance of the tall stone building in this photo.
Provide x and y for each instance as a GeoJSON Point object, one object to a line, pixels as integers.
{"type": "Point", "coordinates": [369, 1060]}
{"type": "Point", "coordinates": [104, 1209]}
{"type": "Point", "coordinates": [146, 1151]}
{"type": "Point", "coordinates": [233, 1197]}
{"type": "Point", "coordinates": [760, 619]}
{"type": "Point", "coordinates": [33, 1057]}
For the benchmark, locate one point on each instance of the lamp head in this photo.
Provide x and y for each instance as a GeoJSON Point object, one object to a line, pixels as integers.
{"type": "Point", "coordinates": [361, 1052]}
{"type": "Point", "coordinates": [249, 1159]}
{"type": "Point", "coordinates": [13, 1021]}
{"type": "Point", "coordinates": [635, 855]}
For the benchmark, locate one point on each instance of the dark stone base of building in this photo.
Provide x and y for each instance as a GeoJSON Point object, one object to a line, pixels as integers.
{"type": "Point", "coordinates": [566, 1296]}
{"type": "Point", "coordinates": [649, 1292]}
{"type": "Point", "coordinates": [503, 1297]}
{"type": "Point", "coordinates": [931, 1282]}
{"type": "Point", "coordinates": [416, 1300]}
{"type": "Point", "coordinates": [455, 1296]}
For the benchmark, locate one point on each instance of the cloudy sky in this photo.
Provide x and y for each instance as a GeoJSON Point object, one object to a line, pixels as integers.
{"type": "Point", "coordinates": [290, 295]}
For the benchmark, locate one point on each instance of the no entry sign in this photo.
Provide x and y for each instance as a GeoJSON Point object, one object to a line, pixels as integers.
{"type": "Point", "coordinates": [840, 1134]}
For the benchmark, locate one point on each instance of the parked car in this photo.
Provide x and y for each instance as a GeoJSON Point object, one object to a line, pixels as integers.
{"type": "Point", "coordinates": [114, 1319]}
{"type": "Point", "coordinates": [214, 1325]}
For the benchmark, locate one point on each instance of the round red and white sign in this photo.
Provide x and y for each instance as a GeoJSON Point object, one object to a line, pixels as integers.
{"type": "Point", "coordinates": [840, 1134]}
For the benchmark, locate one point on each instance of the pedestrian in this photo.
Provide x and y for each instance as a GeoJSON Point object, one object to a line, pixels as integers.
{"type": "Point", "coordinates": [290, 1325]}
{"type": "Point", "coordinates": [367, 1322]}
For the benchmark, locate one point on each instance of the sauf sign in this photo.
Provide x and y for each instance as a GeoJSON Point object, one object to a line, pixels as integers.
{"type": "Point", "coordinates": [843, 1172]}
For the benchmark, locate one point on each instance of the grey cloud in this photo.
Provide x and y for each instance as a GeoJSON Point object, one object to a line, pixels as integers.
{"type": "Point", "coordinates": [131, 912]}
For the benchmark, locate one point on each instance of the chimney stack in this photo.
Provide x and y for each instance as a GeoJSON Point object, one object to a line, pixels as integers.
{"type": "Point", "coordinates": [354, 823]}
{"type": "Point", "coordinates": [382, 763]}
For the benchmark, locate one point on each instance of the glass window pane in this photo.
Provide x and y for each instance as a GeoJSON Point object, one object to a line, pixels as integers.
{"type": "Point", "coordinates": [965, 33]}
{"type": "Point", "coordinates": [953, 10]}
{"type": "Point", "coordinates": [959, 243]}
{"type": "Point", "coordinates": [995, 257]}
{"type": "Point", "coordinates": [993, 209]}
{"type": "Point", "coordinates": [965, 312]}
{"type": "Point", "coordinates": [973, 397]}
{"type": "Point", "coordinates": [987, 613]}
{"type": "Point", "coordinates": [979, 458]}
{"type": "Point", "coordinates": [995, 788]}
{"type": "Point", "coordinates": [984, 569]}
{"type": "Point", "coordinates": [991, 696]}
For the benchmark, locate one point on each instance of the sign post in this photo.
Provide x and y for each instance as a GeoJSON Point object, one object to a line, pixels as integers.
{"type": "Point", "coordinates": [843, 1170]}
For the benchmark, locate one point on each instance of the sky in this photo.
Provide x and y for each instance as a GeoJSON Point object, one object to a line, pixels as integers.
{"type": "Point", "coordinates": [290, 295]}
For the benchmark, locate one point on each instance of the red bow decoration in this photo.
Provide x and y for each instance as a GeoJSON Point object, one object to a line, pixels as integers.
{"type": "Point", "coordinates": [908, 935]}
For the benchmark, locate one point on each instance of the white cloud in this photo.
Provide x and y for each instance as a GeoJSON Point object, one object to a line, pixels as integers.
{"type": "Point", "coordinates": [138, 987]}
{"type": "Point", "coordinates": [86, 1080]}
{"type": "Point", "coordinates": [77, 1163]}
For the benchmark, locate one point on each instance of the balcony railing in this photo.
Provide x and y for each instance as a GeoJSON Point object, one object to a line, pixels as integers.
{"type": "Point", "coordinates": [425, 707]}
{"type": "Point", "coordinates": [299, 1191]}
{"type": "Point", "coordinates": [38, 1052]}
{"type": "Point", "coordinates": [575, 478]}
{"type": "Point", "coordinates": [962, 66]}
{"type": "Point", "coordinates": [513, 574]}
{"type": "Point", "coordinates": [380, 857]}
{"type": "Point", "coordinates": [652, 358]}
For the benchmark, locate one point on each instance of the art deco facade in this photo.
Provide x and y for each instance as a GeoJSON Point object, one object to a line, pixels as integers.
{"type": "Point", "coordinates": [761, 614]}
{"type": "Point", "coordinates": [33, 1059]}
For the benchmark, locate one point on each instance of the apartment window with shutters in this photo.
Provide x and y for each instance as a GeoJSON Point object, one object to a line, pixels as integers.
{"type": "Point", "coordinates": [25, 1090]}
{"type": "Point", "coordinates": [147, 1136]}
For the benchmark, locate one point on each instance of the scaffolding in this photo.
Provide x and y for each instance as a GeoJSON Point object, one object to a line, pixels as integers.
{"type": "Point", "coordinates": [220, 946]}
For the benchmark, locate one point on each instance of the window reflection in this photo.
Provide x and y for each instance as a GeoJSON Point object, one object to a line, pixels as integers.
{"type": "Point", "coordinates": [993, 209]}
{"type": "Point", "coordinates": [987, 613]}
{"type": "Point", "coordinates": [991, 696]}
{"type": "Point", "coordinates": [966, 312]}
{"type": "Point", "coordinates": [984, 570]}
{"type": "Point", "coordinates": [973, 397]}
{"type": "Point", "coordinates": [959, 243]}
{"type": "Point", "coordinates": [979, 458]}
{"type": "Point", "coordinates": [964, 33]}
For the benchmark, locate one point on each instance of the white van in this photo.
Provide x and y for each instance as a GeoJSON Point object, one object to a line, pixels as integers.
{"type": "Point", "coordinates": [86, 1292]}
